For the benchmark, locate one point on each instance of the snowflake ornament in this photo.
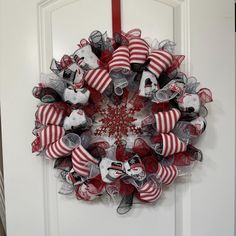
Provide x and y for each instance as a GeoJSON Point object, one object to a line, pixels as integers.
{"type": "Point", "coordinates": [117, 121]}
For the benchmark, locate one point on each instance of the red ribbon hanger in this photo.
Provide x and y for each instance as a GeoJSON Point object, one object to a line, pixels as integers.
{"type": "Point", "coordinates": [116, 16]}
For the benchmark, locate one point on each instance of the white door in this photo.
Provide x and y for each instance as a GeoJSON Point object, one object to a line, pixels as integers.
{"type": "Point", "coordinates": [32, 32]}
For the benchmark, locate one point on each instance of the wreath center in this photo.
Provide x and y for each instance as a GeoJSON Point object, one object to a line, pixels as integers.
{"type": "Point", "coordinates": [118, 121]}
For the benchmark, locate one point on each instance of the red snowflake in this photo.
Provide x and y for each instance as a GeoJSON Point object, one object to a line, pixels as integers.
{"type": "Point", "coordinates": [118, 121]}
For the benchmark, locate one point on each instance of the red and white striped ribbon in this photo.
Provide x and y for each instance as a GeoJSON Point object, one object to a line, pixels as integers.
{"type": "Point", "coordinates": [150, 191]}
{"type": "Point", "coordinates": [81, 160]}
{"type": "Point", "coordinates": [172, 144]}
{"type": "Point", "coordinates": [98, 79]}
{"type": "Point", "coordinates": [120, 59]}
{"type": "Point", "coordinates": [160, 60]}
{"type": "Point", "coordinates": [166, 120]}
{"type": "Point", "coordinates": [58, 149]}
{"type": "Point", "coordinates": [166, 174]}
{"type": "Point", "coordinates": [49, 114]}
{"type": "Point", "coordinates": [138, 50]}
{"type": "Point", "coordinates": [50, 134]}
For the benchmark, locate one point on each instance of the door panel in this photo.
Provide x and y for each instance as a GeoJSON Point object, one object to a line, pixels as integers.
{"type": "Point", "coordinates": [199, 205]}
{"type": "Point", "coordinates": [213, 183]}
{"type": "Point", "coordinates": [70, 23]}
{"type": "Point", "coordinates": [154, 18]}
{"type": "Point", "coordinates": [75, 21]}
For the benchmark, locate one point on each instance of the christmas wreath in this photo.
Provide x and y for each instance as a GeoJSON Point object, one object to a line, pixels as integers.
{"type": "Point", "coordinates": [119, 118]}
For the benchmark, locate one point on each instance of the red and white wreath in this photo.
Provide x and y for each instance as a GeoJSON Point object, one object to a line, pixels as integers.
{"type": "Point", "coordinates": [119, 118]}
